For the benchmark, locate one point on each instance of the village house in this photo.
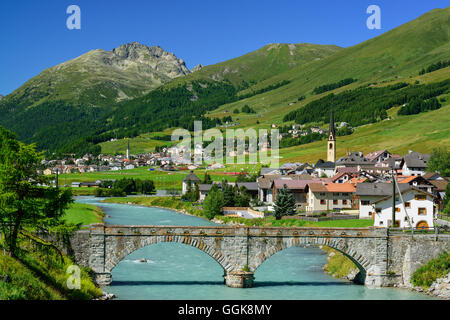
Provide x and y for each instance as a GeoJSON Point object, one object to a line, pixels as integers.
{"type": "Point", "coordinates": [296, 187]}
{"type": "Point", "coordinates": [323, 168]}
{"type": "Point", "coordinates": [378, 156]}
{"type": "Point", "coordinates": [419, 206]}
{"type": "Point", "coordinates": [190, 179]}
{"type": "Point", "coordinates": [414, 164]}
{"type": "Point", "coordinates": [330, 196]}
{"type": "Point", "coordinates": [265, 188]}
{"type": "Point", "coordinates": [369, 193]}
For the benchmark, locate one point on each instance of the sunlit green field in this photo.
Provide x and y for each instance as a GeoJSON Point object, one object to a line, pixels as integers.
{"type": "Point", "coordinates": [162, 179]}
{"type": "Point", "coordinates": [83, 213]}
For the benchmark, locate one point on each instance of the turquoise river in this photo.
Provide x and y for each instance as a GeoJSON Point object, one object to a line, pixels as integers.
{"type": "Point", "coordinates": [179, 272]}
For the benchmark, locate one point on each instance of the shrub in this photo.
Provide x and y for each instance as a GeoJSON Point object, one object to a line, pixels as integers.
{"type": "Point", "coordinates": [432, 270]}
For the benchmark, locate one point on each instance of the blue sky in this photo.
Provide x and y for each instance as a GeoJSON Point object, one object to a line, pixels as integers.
{"type": "Point", "coordinates": [34, 35]}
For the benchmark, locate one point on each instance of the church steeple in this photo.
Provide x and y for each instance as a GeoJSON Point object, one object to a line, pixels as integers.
{"type": "Point", "coordinates": [331, 130]}
{"type": "Point", "coordinates": [128, 150]}
{"type": "Point", "coordinates": [331, 145]}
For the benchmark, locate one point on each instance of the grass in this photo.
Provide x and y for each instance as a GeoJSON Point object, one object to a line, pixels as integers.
{"type": "Point", "coordinates": [141, 144]}
{"type": "Point", "coordinates": [338, 265]}
{"type": "Point", "coordinates": [83, 213]}
{"type": "Point", "coordinates": [432, 270]}
{"type": "Point", "coordinates": [39, 274]}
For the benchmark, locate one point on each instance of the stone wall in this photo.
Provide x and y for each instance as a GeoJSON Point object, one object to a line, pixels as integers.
{"type": "Point", "coordinates": [407, 254]}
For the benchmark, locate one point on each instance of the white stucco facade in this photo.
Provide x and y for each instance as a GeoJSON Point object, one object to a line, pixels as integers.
{"type": "Point", "coordinates": [419, 207]}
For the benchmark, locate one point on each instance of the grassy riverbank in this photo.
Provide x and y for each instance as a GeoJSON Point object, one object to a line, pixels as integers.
{"type": "Point", "coordinates": [39, 273]}
{"type": "Point", "coordinates": [338, 265]}
{"type": "Point", "coordinates": [432, 270]}
{"type": "Point", "coordinates": [84, 214]}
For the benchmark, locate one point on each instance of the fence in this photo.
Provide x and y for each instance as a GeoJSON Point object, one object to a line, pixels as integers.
{"type": "Point", "coordinates": [436, 230]}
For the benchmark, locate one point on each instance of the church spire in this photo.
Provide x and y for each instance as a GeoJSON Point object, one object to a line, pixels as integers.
{"type": "Point", "coordinates": [331, 131]}
{"type": "Point", "coordinates": [128, 150]}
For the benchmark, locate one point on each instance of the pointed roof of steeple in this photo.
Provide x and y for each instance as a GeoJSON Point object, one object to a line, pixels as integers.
{"type": "Point", "coordinates": [331, 129]}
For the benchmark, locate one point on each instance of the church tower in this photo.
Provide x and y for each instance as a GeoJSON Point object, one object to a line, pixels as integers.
{"type": "Point", "coordinates": [128, 150]}
{"type": "Point", "coordinates": [331, 145]}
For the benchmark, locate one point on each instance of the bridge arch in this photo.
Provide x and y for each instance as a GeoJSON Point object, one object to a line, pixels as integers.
{"type": "Point", "coordinates": [273, 246]}
{"type": "Point", "coordinates": [124, 246]}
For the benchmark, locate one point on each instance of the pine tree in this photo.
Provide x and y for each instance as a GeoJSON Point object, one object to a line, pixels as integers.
{"type": "Point", "coordinates": [284, 204]}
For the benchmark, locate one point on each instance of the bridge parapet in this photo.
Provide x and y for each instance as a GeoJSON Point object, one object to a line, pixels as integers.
{"type": "Point", "coordinates": [241, 250]}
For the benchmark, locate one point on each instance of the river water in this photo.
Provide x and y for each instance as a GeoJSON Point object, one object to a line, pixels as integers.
{"type": "Point", "coordinates": [178, 272]}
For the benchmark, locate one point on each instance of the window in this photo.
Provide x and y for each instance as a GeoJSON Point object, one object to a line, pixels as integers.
{"type": "Point", "coordinates": [407, 204]}
{"type": "Point", "coordinates": [377, 210]}
{"type": "Point", "coordinates": [335, 202]}
{"type": "Point", "coordinates": [381, 223]}
{"type": "Point", "coordinates": [397, 209]}
{"type": "Point", "coordinates": [322, 201]}
{"type": "Point", "coordinates": [422, 211]}
{"type": "Point", "coordinates": [365, 202]}
{"type": "Point", "coordinates": [345, 193]}
{"type": "Point", "coordinates": [322, 193]}
{"type": "Point", "coordinates": [420, 197]}
{"type": "Point", "coordinates": [344, 201]}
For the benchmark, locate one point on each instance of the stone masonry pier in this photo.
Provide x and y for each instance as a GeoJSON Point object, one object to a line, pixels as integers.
{"type": "Point", "coordinates": [383, 259]}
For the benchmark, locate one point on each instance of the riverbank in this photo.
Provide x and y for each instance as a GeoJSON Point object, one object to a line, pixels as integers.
{"type": "Point", "coordinates": [433, 278]}
{"type": "Point", "coordinates": [84, 214]}
{"type": "Point", "coordinates": [39, 273]}
{"type": "Point", "coordinates": [172, 203]}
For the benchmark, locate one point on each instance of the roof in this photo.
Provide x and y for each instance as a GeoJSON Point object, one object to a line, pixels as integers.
{"type": "Point", "coordinates": [250, 186]}
{"type": "Point", "coordinates": [373, 155]}
{"type": "Point", "coordinates": [377, 189]}
{"type": "Point", "coordinates": [265, 171]}
{"type": "Point", "coordinates": [266, 181]}
{"type": "Point", "coordinates": [292, 184]}
{"type": "Point", "coordinates": [431, 175]}
{"type": "Point", "coordinates": [347, 170]}
{"type": "Point", "coordinates": [191, 177]}
{"type": "Point", "coordinates": [324, 165]}
{"type": "Point", "coordinates": [406, 190]}
{"type": "Point", "coordinates": [204, 187]}
{"type": "Point", "coordinates": [331, 187]}
{"type": "Point", "coordinates": [337, 176]}
{"type": "Point", "coordinates": [416, 160]}
{"type": "Point", "coordinates": [440, 185]}
{"type": "Point", "coordinates": [353, 158]}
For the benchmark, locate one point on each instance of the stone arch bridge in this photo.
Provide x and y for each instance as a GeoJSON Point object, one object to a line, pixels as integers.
{"type": "Point", "coordinates": [383, 259]}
